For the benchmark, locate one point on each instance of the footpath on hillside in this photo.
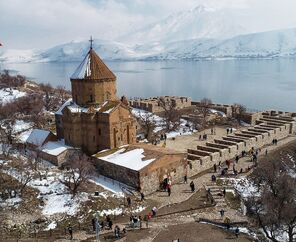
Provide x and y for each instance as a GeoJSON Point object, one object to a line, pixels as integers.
{"type": "Point", "coordinates": [181, 210]}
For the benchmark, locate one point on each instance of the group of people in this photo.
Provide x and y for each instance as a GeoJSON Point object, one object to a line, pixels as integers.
{"type": "Point", "coordinates": [274, 141]}
{"type": "Point", "coordinates": [136, 221]}
{"type": "Point", "coordinates": [203, 137]}
{"type": "Point", "coordinates": [118, 233]}
{"type": "Point", "coordinates": [167, 186]}
{"type": "Point", "coordinates": [229, 130]}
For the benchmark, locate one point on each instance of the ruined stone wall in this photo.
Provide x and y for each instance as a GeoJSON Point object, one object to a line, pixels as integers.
{"type": "Point", "coordinates": [152, 104]}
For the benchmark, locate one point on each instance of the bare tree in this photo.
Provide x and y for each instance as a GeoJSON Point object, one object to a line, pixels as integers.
{"type": "Point", "coordinates": [148, 123]}
{"type": "Point", "coordinates": [7, 80]}
{"type": "Point", "coordinates": [204, 109]}
{"type": "Point", "coordinates": [23, 173]}
{"type": "Point", "coordinates": [239, 111]}
{"type": "Point", "coordinates": [275, 208]}
{"type": "Point", "coordinates": [7, 136]}
{"type": "Point", "coordinates": [63, 94]}
{"type": "Point", "coordinates": [77, 172]}
{"type": "Point", "coordinates": [34, 161]}
{"type": "Point", "coordinates": [171, 115]}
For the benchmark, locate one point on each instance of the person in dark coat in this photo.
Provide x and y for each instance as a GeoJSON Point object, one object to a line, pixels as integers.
{"type": "Point", "coordinates": [215, 168]}
{"type": "Point", "coordinates": [192, 186]}
{"type": "Point", "coordinates": [185, 179]}
{"type": "Point", "coordinates": [222, 212]}
{"type": "Point", "coordinates": [236, 159]}
{"type": "Point", "coordinates": [236, 232]}
{"type": "Point", "coordinates": [110, 224]}
{"type": "Point", "coordinates": [169, 191]}
{"type": "Point", "coordinates": [93, 222]}
{"type": "Point", "coordinates": [142, 197]}
{"type": "Point", "coordinates": [129, 201]}
{"type": "Point", "coordinates": [70, 230]}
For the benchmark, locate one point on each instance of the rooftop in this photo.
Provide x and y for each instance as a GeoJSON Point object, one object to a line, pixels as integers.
{"type": "Point", "coordinates": [92, 67]}
{"type": "Point", "coordinates": [37, 137]}
{"type": "Point", "coordinates": [134, 157]}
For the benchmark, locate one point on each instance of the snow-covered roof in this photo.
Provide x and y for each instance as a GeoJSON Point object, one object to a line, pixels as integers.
{"type": "Point", "coordinates": [8, 95]}
{"type": "Point", "coordinates": [38, 136]}
{"type": "Point", "coordinates": [106, 107]}
{"type": "Point", "coordinates": [67, 103]}
{"type": "Point", "coordinates": [92, 67]}
{"type": "Point", "coordinates": [83, 70]}
{"type": "Point", "coordinates": [133, 159]}
{"type": "Point", "coordinates": [54, 147]}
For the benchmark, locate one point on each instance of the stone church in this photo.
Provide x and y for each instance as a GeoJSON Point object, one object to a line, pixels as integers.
{"type": "Point", "coordinates": [95, 118]}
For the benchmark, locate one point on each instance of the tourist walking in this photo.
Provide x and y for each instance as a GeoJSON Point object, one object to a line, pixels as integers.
{"type": "Point", "coordinates": [169, 190]}
{"type": "Point", "coordinates": [222, 212]}
{"type": "Point", "coordinates": [192, 186]}
{"type": "Point", "coordinates": [93, 222]}
{"type": "Point", "coordinates": [236, 232]}
{"type": "Point", "coordinates": [117, 232]}
{"type": "Point", "coordinates": [154, 211]}
{"type": "Point", "coordinates": [227, 131]}
{"type": "Point", "coordinates": [142, 196]}
{"type": "Point", "coordinates": [129, 201]}
{"type": "Point", "coordinates": [215, 168]}
{"type": "Point", "coordinates": [185, 179]}
{"type": "Point", "coordinates": [110, 224]}
{"type": "Point", "coordinates": [224, 192]}
{"type": "Point", "coordinates": [236, 159]}
{"type": "Point", "coordinates": [70, 230]}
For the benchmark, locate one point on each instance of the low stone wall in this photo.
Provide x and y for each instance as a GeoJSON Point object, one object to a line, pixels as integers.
{"type": "Point", "coordinates": [152, 104]}
{"type": "Point", "coordinates": [116, 172]}
{"type": "Point", "coordinates": [172, 166]}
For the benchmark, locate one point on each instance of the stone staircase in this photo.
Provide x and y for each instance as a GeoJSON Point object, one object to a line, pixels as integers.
{"type": "Point", "coordinates": [217, 193]}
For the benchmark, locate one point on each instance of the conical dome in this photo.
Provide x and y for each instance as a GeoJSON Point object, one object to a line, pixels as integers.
{"type": "Point", "coordinates": [92, 67]}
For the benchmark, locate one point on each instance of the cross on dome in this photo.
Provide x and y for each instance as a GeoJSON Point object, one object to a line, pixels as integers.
{"type": "Point", "coordinates": [91, 41]}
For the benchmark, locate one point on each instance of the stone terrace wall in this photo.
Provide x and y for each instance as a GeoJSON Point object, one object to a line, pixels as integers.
{"type": "Point", "coordinates": [268, 128]}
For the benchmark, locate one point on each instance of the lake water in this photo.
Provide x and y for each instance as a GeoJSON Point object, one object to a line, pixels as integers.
{"type": "Point", "coordinates": [258, 84]}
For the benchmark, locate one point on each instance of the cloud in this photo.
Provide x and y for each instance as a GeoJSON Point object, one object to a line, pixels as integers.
{"type": "Point", "coordinates": [44, 23]}
{"type": "Point", "coordinates": [39, 23]}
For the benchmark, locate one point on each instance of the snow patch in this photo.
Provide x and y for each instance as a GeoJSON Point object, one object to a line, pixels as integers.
{"type": "Point", "coordinates": [8, 95]}
{"type": "Point", "coordinates": [132, 159]}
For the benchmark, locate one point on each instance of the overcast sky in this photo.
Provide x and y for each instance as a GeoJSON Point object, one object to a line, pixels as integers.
{"type": "Point", "coordinates": [45, 23]}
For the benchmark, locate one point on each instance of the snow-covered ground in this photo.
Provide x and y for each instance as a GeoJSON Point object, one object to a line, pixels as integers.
{"type": "Point", "coordinates": [184, 129]}
{"type": "Point", "coordinates": [8, 95]}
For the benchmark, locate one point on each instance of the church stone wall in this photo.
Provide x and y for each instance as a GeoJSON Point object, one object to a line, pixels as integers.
{"type": "Point", "coordinates": [85, 92]}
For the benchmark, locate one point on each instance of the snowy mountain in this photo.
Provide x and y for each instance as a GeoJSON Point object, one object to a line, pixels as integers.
{"type": "Point", "coordinates": [270, 44]}
{"type": "Point", "coordinates": [279, 43]}
{"type": "Point", "coordinates": [197, 23]}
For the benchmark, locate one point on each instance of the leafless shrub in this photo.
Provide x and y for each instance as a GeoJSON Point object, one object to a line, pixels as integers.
{"type": "Point", "coordinates": [171, 115]}
{"type": "Point", "coordinates": [77, 172]}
